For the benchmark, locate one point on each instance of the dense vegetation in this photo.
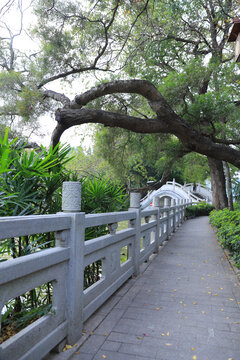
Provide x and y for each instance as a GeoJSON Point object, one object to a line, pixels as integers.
{"type": "Point", "coordinates": [200, 209]}
{"type": "Point", "coordinates": [31, 183]}
{"type": "Point", "coordinates": [227, 224]}
{"type": "Point", "coordinates": [185, 88]}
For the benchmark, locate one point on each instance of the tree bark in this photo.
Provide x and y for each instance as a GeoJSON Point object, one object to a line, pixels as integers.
{"type": "Point", "coordinates": [228, 185]}
{"type": "Point", "coordinates": [220, 200]}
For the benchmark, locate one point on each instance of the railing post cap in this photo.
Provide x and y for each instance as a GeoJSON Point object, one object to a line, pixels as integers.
{"type": "Point", "coordinates": [71, 196]}
{"type": "Point", "coordinates": [135, 198]}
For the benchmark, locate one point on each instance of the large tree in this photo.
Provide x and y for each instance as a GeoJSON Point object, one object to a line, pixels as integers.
{"type": "Point", "coordinates": [178, 50]}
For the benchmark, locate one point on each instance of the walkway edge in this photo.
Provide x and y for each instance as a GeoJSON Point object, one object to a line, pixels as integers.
{"type": "Point", "coordinates": [94, 321]}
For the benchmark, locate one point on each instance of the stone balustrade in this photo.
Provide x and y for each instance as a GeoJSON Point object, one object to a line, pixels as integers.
{"type": "Point", "coordinates": [64, 265]}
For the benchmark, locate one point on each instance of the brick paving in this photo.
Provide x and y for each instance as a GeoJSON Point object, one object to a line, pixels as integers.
{"type": "Point", "coordinates": [185, 305]}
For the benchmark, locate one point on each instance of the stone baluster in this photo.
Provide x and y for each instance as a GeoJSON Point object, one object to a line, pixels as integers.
{"type": "Point", "coordinates": [156, 205]}
{"type": "Point", "coordinates": [136, 224]}
{"type": "Point", "coordinates": [177, 212]}
{"type": "Point", "coordinates": [174, 184]}
{"type": "Point", "coordinates": [167, 214]}
{"type": "Point", "coordinates": [173, 205]}
{"type": "Point", "coordinates": [182, 210]}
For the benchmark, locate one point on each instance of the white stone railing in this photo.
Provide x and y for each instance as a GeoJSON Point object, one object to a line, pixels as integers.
{"type": "Point", "coordinates": [183, 188]}
{"type": "Point", "coordinates": [64, 265]}
{"type": "Point", "coordinates": [200, 189]}
{"type": "Point", "coordinates": [174, 190]}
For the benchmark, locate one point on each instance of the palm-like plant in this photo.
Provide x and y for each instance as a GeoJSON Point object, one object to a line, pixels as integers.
{"type": "Point", "coordinates": [31, 183]}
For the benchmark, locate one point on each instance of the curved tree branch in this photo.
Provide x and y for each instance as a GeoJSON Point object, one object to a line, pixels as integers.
{"type": "Point", "coordinates": [167, 121]}
{"type": "Point", "coordinates": [57, 96]}
{"type": "Point", "coordinates": [227, 142]}
{"type": "Point", "coordinates": [73, 117]}
{"type": "Point", "coordinates": [141, 87]}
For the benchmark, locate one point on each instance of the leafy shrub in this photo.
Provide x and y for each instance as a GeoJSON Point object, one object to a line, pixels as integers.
{"type": "Point", "coordinates": [236, 191]}
{"type": "Point", "coordinates": [228, 230]}
{"type": "Point", "coordinates": [101, 195]}
{"type": "Point", "coordinates": [201, 209]}
{"type": "Point", "coordinates": [31, 183]}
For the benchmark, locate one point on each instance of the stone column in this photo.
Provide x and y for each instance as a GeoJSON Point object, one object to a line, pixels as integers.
{"type": "Point", "coordinates": [136, 224]}
{"type": "Point", "coordinates": [178, 212]}
{"type": "Point", "coordinates": [71, 206]}
{"type": "Point", "coordinates": [173, 205]}
{"type": "Point", "coordinates": [167, 214]}
{"type": "Point", "coordinates": [173, 184]}
{"type": "Point", "coordinates": [182, 210]}
{"type": "Point", "coordinates": [156, 205]}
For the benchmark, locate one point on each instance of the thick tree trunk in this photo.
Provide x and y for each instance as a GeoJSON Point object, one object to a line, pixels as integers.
{"type": "Point", "coordinates": [228, 185]}
{"type": "Point", "coordinates": [220, 200]}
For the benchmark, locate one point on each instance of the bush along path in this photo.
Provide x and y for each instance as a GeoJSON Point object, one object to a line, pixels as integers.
{"type": "Point", "coordinates": [227, 224]}
{"type": "Point", "coordinates": [201, 209]}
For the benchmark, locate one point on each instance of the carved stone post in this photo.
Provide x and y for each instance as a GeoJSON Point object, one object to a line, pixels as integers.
{"type": "Point", "coordinates": [167, 214]}
{"type": "Point", "coordinates": [136, 224]}
{"type": "Point", "coordinates": [71, 196]}
{"type": "Point", "coordinates": [71, 205]}
{"type": "Point", "coordinates": [173, 205]}
{"type": "Point", "coordinates": [156, 205]}
{"type": "Point", "coordinates": [174, 184]}
{"type": "Point", "coordinates": [182, 211]}
{"type": "Point", "coordinates": [177, 212]}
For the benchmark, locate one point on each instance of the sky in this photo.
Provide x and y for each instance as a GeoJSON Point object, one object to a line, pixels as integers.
{"type": "Point", "coordinates": [75, 135]}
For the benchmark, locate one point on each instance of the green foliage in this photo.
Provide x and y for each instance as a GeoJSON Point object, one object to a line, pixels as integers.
{"type": "Point", "coordinates": [5, 153]}
{"type": "Point", "coordinates": [31, 183]}
{"type": "Point", "coordinates": [102, 195]}
{"type": "Point", "coordinates": [30, 179]}
{"type": "Point", "coordinates": [228, 230]}
{"type": "Point", "coordinates": [236, 190]}
{"type": "Point", "coordinates": [25, 309]}
{"type": "Point", "coordinates": [87, 163]}
{"type": "Point", "coordinates": [195, 168]}
{"type": "Point", "coordinates": [201, 209]}
{"type": "Point", "coordinates": [136, 158]}
{"type": "Point", "coordinates": [99, 195]}
{"type": "Point", "coordinates": [27, 103]}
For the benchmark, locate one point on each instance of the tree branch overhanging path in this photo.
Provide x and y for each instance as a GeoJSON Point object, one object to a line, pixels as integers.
{"type": "Point", "coordinates": [181, 47]}
{"type": "Point", "coordinates": [166, 121]}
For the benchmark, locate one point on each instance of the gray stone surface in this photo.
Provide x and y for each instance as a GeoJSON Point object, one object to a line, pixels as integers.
{"type": "Point", "coordinates": [185, 306]}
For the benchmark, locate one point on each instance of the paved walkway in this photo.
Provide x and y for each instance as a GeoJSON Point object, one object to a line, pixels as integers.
{"type": "Point", "coordinates": [186, 305]}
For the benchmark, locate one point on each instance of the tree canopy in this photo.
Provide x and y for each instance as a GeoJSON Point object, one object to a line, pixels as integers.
{"type": "Point", "coordinates": [162, 68]}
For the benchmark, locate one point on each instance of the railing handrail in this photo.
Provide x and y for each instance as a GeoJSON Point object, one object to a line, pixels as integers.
{"type": "Point", "coordinates": [201, 186]}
